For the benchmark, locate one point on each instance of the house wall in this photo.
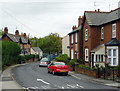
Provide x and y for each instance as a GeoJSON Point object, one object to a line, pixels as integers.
{"type": "Point", "coordinates": [65, 43]}
{"type": "Point", "coordinates": [86, 44]}
{"type": "Point", "coordinates": [76, 46]}
{"type": "Point", "coordinates": [6, 38]}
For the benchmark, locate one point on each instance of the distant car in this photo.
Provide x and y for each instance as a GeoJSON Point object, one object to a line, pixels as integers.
{"type": "Point", "coordinates": [43, 62]}
{"type": "Point", "coordinates": [58, 67]}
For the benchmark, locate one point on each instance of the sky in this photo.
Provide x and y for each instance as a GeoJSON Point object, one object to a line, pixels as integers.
{"type": "Point", "coordinates": [39, 18]}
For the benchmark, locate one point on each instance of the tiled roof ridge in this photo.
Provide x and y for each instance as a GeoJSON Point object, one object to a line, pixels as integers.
{"type": "Point", "coordinates": [102, 11]}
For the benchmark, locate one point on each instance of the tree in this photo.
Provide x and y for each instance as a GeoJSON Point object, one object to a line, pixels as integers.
{"type": "Point", "coordinates": [49, 44]}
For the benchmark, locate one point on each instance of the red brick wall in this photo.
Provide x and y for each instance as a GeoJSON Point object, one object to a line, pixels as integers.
{"type": "Point", "coordinates": [86, 44]}
{"type": "Point", "coordinates": [6, 38]}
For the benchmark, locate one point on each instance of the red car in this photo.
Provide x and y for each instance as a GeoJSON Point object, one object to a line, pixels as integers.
{"type": "Point", "coordinates": [58, 67]}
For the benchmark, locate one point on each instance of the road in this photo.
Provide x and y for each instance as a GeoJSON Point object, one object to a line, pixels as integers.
{"type": "Point", "coordinates": [35, 77]}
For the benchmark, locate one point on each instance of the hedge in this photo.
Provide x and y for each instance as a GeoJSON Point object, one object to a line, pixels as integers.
{"type": "Point", "coordinates": [10, 52]}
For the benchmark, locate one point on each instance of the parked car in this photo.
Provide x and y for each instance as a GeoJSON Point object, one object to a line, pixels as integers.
{"type": "Point", "coordinates": [58, 67]}
{"type": "Point", "coordinates": [43, 62]}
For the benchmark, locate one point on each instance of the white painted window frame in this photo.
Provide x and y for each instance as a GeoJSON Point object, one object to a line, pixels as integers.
{"type": "Point", "coordinates": [76, 37]}
{"type": "Point", "coordinates": [102, 33]}
{"type": "Point", "coordinates": [72, 53]}
{"type": "Point", "coordinates": [117, 57]}
{"type": "Point", "coordinates": [72, 38]}
{"type": "Point", "coordinates": [86, 54]}
{"type": "Point", "coordinates": [114, 31]}
{"type": "Point", "coordinates": [86, 34]}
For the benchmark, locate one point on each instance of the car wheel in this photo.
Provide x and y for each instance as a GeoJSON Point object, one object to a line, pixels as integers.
{"type": "Point", "coordinates": [53, 72]}
{"type": "Point", "coordinates": [66, 74]}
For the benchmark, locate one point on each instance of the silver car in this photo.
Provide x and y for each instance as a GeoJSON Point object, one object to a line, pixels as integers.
{"type": "Point", "coordinates": [43, 62]}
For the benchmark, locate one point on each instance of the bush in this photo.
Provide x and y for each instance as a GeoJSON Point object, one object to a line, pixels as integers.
{"type": "Point", "coordinates": [63, 58]}
{"type": "Point", "coordinates": [10, 53]}
{"type": "Point", "coordinates": [23, 58]}
{"type": "Point", "coordinates": [72, 62]}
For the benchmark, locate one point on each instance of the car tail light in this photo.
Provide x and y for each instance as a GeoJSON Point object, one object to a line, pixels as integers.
{"type": "Point", "coordinates": [40, 62]}
{"type": "Point", "coordinates": [66, 66]}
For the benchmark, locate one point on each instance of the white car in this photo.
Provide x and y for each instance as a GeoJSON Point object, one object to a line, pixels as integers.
{"type": "Point", "coordinates": [43, 62]}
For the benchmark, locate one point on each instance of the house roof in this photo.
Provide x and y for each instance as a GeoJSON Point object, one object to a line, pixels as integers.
{"type": "Point", "coordinates": [99, 18]}
{"type": "Point", "coordinates": [36, 49]}
{"type": "Point", "coordinates": [113, 42]}
{"type": "Point", "coordinates": [17, 38]}
{"type": "Point", "coordinates": [76, 30]}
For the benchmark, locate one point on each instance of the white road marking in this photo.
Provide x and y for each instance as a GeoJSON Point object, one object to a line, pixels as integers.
{"type": "Point", "coordinates": [75, 86]}
{"type": "Point", "coordinates": [80, 86]}
{"type": "Point", "coordinates": [76, 77]}
{"type": "Point", "coordinates": [43, 81]}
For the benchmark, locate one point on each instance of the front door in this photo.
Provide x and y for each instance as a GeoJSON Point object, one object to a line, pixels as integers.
{"type": "Point", "coordinates": [92, 60]}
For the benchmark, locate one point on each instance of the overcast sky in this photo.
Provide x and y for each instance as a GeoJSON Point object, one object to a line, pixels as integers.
{"type": "Point", "coordinates": [42, 17]}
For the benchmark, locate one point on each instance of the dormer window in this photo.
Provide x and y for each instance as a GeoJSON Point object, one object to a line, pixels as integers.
{"type": "Point", "coordinates": [102, 33]}
{"type": "Point", "coordinates": [86, 34]}
{"type": "Point", "coordinates": [113, 30]}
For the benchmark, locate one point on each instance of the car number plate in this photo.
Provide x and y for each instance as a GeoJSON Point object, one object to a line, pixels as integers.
{"type": "Point", "coordinates": [62, 71]}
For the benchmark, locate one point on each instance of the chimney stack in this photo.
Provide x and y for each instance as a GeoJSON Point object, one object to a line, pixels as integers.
{"type": "Point", "coordinates": [98, 10]}
{"type": "Point", "coordinates": [17, 33]}
{"type": "Point", "coordinates": [6, 30]}
{"type": "Point", "coordinates": [24, 35]}
{"type": "Point", "coordinates": [80, 20]}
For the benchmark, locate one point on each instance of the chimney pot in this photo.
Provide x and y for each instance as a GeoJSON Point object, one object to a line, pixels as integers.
{"type": "Point", "coordinates": [17, 32]}
{"type": "Point", "coordinates": [98, 10]}
{"type": "Point", "coordinates": [24, 35]}
{"type": "Point", "coordinates": [6, 30]}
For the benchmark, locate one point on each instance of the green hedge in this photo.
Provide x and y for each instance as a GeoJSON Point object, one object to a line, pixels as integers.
{"type": "Point", "coordinates": [63, 58]}
{"type": "Point", "coordinates": [26, 57]}
{"type": "Point", "coordinates": [10, 52]}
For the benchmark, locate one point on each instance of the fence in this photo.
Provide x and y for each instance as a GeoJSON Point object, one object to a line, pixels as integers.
{"type": "Point", "coordinates": [109, 74]}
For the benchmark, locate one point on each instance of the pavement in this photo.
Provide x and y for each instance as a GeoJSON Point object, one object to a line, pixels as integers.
{"type": "Point", "coordinates": [8, 82]}
{"type": "Point", "coordinates": [6, 79]}
{"type": "Point", "coordinates": [101, 81]}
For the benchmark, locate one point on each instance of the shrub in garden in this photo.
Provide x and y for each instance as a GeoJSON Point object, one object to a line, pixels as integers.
{"type": "Point", "coordinates": [72, 62]}
{"type": "Point", "coordinates": [63, 58]}
{"type": "Point", "coordinates": [10, 53]}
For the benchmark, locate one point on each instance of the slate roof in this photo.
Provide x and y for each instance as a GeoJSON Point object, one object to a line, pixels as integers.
{"type": "Point", "coordinates": [17, 38]}
{"type": "Point", "coordinates": [113, 42]}
{"type": "Point", "coordinates": [36, 49]}
{"type": "Point", "coordinates": [98, 48]}
{"type": "Point", "coordinates": [76, 30]}
{"type": "Point", "coordinates": [99, 18]}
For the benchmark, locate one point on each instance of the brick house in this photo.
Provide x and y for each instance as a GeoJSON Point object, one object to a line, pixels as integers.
{"type": "Point", "coordinates": [22, 41]}
{"type": "Point", "coordinates": [75, 41]}
{"type": "Point", "coordinates": [101, 37]}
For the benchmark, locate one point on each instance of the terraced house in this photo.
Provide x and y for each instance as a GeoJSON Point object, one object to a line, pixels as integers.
{"type": "Point", "coordinates": [75, 41]}
{"type": "Point", "coordinates": [22, 41]}
{"type": "Point", "coordinates": [101, 37]}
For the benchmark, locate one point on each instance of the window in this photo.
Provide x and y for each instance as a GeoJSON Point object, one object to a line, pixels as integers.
{"type": "Point", "coordinates": [102, 33]}
{"type": "Point", "coordinates": [72, 38]}
{"type": "Point", "coordinates": [113, 30]}
{"type": "Point", "coordinates": [72, 54]}
{"type": "Point", "coordinates": [112, 53]}
{"type": "Point", "coordinates": [99, 58]}
{"type": "Point", "coordinates": [86, 34]}
{"type": "Point", "coordinates": [76, 37]}
{"type": "Point", "coordinates": [86, 55]}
